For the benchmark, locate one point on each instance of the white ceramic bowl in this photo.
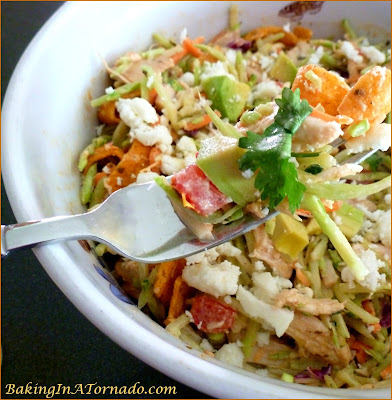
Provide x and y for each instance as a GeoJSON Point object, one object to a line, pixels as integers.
{"type": "Point", "coordinates": [57, 124]}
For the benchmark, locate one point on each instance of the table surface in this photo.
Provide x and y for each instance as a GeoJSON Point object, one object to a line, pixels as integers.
{"type": "Point", "coordinates": [45, 339]}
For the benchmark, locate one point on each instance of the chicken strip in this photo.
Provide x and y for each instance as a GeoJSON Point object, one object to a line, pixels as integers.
{"type": "Point", "coordinates": [265, 250]}
{"type": "Point", "coordinates": [294, 298]}
{"type": "Point", "coordinates": [314, 337]}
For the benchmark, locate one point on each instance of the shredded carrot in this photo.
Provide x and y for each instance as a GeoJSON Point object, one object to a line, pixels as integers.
{"type": "Point", "coordinates": [332, 207]}
{"type": "Point", "coordinates": [385, 372]}
{"type": "Point", "coordinates": [152, 96]}
{"type": "Point", "coordinates": [192, 126]}
{"type": "Point", "coordinates": [369, 307]}
{"type": "Point", "coordinates": [302, 277]}
{"type": "Point", "coordinates": [328, 208]}
{"type": "Point", "coordinates": [185, 202]}
{"type": "Point", "coordinates": [189, 48]}
{"type": "Point", "coordinates": [359, 348]}
{"type": "Point", "coordinates": [102, 152]}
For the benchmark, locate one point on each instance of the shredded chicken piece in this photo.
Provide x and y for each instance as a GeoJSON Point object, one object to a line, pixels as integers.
{"type": "Point", "coordinates": [293, 298]}
{"type": "Point", "coordinates": [226, 37]}
{"type": "Point", "coordinates": [264, 355]}
{"type": "Point", "coordinates": [265, 250]}
{"type": "Point", "coordinates": [159, 64]}
{"type": "Point", "coordinates": [314, 337]}
{"type": "Point", "coordinates": [315, 133]}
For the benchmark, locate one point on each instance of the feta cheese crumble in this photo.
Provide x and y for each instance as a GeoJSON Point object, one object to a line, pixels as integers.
{"type": "Point", "coordinates": [139, 114]}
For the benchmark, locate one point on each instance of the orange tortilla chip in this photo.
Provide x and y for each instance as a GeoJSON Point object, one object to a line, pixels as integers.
{"type": "Point", "coordinates": [129, 166]}
{"type": "Point", "coordinates": [333, 89]}
{"type": "Point", "coordinates": [102, 152]}
{"type": "Point", "coordinates": [168, 272]}
{"type": "Point", "coordinates": [181, 292]}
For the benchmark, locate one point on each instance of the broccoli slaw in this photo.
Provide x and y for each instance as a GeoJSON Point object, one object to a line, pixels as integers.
{"type": "Point", "coordinates": [244, 123]}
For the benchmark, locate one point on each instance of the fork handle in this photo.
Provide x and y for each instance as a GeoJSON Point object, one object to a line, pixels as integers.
{"type": "Point", "coordinates": [34, 232]}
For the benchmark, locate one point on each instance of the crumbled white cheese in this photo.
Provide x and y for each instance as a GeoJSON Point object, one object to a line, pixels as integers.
{"type": "Point", "coordinates": [109, 90]}
{"type": "Point", "coordinates": [350, 52]}
{"type": "Point", "coordinates": [170, 165]}
{"type": "Point", "coordinates": [262, 338]}
{"type": "Point", "coordinates": [356, 239]}
{"type": "Point", "coordinates": [316, 56]}
{"type": "Point", "coordinates": [286, 27]}
{"type": "Point", "coordinates": [338, 219]}
{"type": "Point", "coordinates": [138, 114]}
{"type": "Point", "coordinates": [247, 174]}
{"type": "Point", "coordinates": [259, 266]}
{"type": "Point", "coordinates": [214, 69]}
{"type": "Point", "coordinates": [230, 354]}
{"type": "Point", "coordinates": [377, 225]}
{"type": "Point", "coordinates": [146, 177]}
{"type": "Point", "coordinates": [266, 62]}
{"type": "Point", "coordinates": [266, 90]}
{"type": "Point", "coordinates": [262, 371]}
{"type": "Point", "coordinates": [210, 255]}
{"type": "Point", "coordinates": [266, 286]}
{"type": "Point", "coordinates": [218, 280]}
{"type": "Point", "coordinates": [270, 316]}
{"type": "Point", "coordinates": [188, 78]}
{"type": "Point", "coordinates": [227, 299]}
{"type": "Point", "coordinates": [206, 345]}
{"type": "Point", "coordinates": [231, 56]}
{"type": "Point", "coordinates": [373, 279]}
{"type": "Point", "coordinates": [383, 228]}
{"type": "Point", "coordinates": [228, 250]}
{"type": "Point", "coordinates": [374, 55]}
{"type": "Point", "coordinates": [183, 34]}
{"type": "Point", "coordinates": [186, 145]}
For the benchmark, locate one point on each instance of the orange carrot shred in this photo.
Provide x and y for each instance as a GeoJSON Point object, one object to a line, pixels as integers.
{"type": "Point", "coordinates": [385, 372]}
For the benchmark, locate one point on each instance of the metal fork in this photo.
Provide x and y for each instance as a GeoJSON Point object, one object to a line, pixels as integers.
{"type": "Point", "coordinates": [138, 222]}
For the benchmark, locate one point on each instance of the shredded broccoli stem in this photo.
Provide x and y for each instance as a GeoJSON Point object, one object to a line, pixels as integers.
{"type": "Point", "coordinates": [164, 42]}
{"type": "Point", "coordinates": [345, 191]}
{"type": "Point", "coordinates": [225, 128]}
{"type": "Point", "coordinates": [348, 29]}
{"type": "Point", "coordinates": [341, 327]}
{"type": "Point", "coordinates": [249, 340]}
{"type": "Point", "coordinates": [358, 128]}
{"type": "Point", "coordinates": [339, 241]}
{"type": "Point", "coordinates": [354, 308]}
{"type": "Point", "coordinates": [177, 325]}
{"type": "Point", "coordinates": [169, 107]}
{"type": "Point", "coordinates": [116, 94]}
{"type": "Point", "coordinates": [88, 184]}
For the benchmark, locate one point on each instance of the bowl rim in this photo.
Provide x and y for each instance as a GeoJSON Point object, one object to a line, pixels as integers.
{"type": "Point", "coordinates": [118, 325]}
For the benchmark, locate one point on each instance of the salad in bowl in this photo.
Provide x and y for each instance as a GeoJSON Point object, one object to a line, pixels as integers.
{"type": "Point", "coordinates": [252, 123]}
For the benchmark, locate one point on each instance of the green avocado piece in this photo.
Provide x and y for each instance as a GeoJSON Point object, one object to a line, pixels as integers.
{"type": "Point", "coordinates": [284, 69]}
{"type": "Point", "coordinates": [227, 95]}
{"type": "Point", "coordinates": [349, 219]}
{"type": "Point", "coordinates": [218, 159]}
{"type": "Point", "coordinates": [290, 236]}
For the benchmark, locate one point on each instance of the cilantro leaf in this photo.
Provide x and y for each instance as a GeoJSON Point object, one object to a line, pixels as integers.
{"type": "Point", "coordinates": [269, 154]}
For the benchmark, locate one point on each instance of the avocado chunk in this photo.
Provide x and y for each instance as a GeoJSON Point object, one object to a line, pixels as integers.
{"type": "Point", "coordinates": [313, 228]}
{"type": "Point", "coordinates": [227, 95]}
{"type": "Point", "coordinates": [349, 219]}
{"type": "Point", "coordinates": [284, 69]}
{"type": "Point", "coordinates": [218, 159]}
{"type": "Point", "coordinates": [290, 236]}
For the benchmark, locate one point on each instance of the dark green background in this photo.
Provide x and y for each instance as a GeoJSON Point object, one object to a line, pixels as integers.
{"type": "Point", "coordinates": [45, 339]}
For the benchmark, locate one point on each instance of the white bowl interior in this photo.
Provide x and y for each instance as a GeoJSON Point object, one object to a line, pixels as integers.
{"type": "Point", "coordinates": [52, 84]}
